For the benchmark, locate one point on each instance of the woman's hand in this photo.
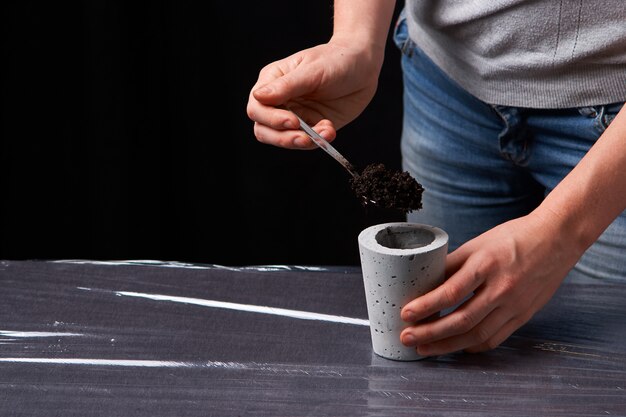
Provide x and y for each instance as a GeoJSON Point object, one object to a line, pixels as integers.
{"type": "Point", "coordinates": [328, 86]}
{"type": "Point", "coordinates": [508, 273]}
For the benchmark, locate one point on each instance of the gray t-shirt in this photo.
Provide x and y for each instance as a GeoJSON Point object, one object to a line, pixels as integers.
{"type": "Point", "coordinates": [527, 53]}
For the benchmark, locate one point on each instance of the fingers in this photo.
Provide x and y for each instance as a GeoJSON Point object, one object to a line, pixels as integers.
{"type": "Point", "coordinates": [474, 327]}
{"type": "Point", "coordinates": [293, 139]}
{"type": "Point", "coordinates": [276, 87]}
{"type": "Point", "coordinates": [449, 294]}
{"type": "Point", "coordinates": [273, 117]}
{"type": "Point", "coordinates": [486, 334]}
{"type": "Point", "coordinates": [461, 321]}
{"type": "Point", "coordinates": [497, 338]}
{"type": "Point", "coordinates": [516, 321]}
{"type": "Point", "coordinates": [289, 139]}
{"type": "Point", "coordinates": [278, 126]}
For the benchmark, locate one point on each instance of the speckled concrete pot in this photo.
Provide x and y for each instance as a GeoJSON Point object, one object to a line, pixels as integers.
{"type": "Point", "coordinates": [400, 261]}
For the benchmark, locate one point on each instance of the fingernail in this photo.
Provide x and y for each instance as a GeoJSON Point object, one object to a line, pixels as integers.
{"type": "Point", "coordinates": [288, 124]}
{"type": "Point", "coordinates": [409, 316]}
{"type": "Point", "coordinates": [300, 142]}
{"type": "Point", "coordinates": [409, 339]}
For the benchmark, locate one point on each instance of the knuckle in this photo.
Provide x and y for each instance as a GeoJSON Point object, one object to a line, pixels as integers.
{"type": "Point", "coordinates": [422, 308]}
{"type": "Point", "coordinates": [418, 308]}
{"type": "Point", "coordinates": [485, 264]}
{"type": "Point", "coordinates": [284, 142]}
{"type": "Point", "coordinates": [507, 285]}
{"type": "Point", "coordinates": [259, 136]}
{"type": "Point", "coordinates": [464, 322]}
{"type": "Point", "coordinates": [452, 294]}
{"type": "Point", "coordinates": [267, 69]}
{"type": "Point", "coordinates": [276, 121]}
{"type": "Point", "coordinates": [522, 319]}
{"type": "Point", "coordinates": [483, 335]}
{"type": "Point", "coordinates": [491, 344]}
{"type": "Point", "coordinates": [426, 334]}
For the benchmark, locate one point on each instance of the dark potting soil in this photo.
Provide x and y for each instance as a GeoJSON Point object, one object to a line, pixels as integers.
{"type": "Point", "coordinates": [388, 189]}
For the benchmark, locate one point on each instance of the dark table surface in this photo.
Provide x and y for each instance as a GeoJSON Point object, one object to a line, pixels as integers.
{"type": "Point", "coordinates": [142, 338]}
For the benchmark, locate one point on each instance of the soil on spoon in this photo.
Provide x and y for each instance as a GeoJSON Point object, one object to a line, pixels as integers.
{"type": "Point", "coordinates": [387, 189]}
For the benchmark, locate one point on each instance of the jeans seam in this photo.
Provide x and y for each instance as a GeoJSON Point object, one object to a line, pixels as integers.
{"type": "Point", "coordinates": [407, 48]}
{"type": "Point", "coordinates": [508, 150]}
{"type": "Point", "coordinates": [507, 127]}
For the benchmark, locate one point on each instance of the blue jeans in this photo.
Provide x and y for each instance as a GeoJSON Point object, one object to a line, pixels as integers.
{"type": "Point", "coordinates": [482, 165]}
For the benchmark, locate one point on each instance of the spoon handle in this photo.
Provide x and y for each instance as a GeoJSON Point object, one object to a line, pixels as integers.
{"type": "Point", "coordinates": [322, 143]}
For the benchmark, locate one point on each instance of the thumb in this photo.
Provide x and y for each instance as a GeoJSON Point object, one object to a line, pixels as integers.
{"type": "Point", "coordinates": [282, 89]}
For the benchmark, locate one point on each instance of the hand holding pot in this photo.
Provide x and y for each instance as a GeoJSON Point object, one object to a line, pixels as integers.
{"type": "Point", "coordinates": [508, 273]}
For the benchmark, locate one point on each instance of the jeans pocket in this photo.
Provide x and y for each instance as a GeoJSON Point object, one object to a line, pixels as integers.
{"type": "Point", "coordinates": [401, 33]}
{"type": "Point", "coordinates": [603, 114]}
{"type": "Point", "coordinates": [609, 113]}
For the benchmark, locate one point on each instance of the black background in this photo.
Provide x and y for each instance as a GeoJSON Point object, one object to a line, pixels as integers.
{"type": "Point", "coordinates": [125, 136]}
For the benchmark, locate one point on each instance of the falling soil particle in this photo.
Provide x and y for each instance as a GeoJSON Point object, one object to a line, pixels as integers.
{"type": "Point", "coordinates": [388, 189]}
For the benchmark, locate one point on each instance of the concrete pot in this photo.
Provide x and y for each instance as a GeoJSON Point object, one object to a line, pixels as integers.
{"type": "Point", "coordinates": [400, 262]}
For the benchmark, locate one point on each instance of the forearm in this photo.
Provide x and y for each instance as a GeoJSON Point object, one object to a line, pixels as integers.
{"type": "Point", "coordinates": [594, 193]}
{"type": "Point", "coordinates": [363, 23]}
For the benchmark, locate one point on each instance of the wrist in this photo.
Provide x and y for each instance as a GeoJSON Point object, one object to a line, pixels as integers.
{"type": "Point", "coordinates": [363, 24]}
{"type": "Point", "coordinates": [365, 42]}
{"type": "Point", "coordinates": [367, 58]}
{"type": "Point", "coordinates": [565, 227]}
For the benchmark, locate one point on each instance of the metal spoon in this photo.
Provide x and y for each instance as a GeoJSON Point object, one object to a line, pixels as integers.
{"type": "Point", "coordinates": [322, 143]}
